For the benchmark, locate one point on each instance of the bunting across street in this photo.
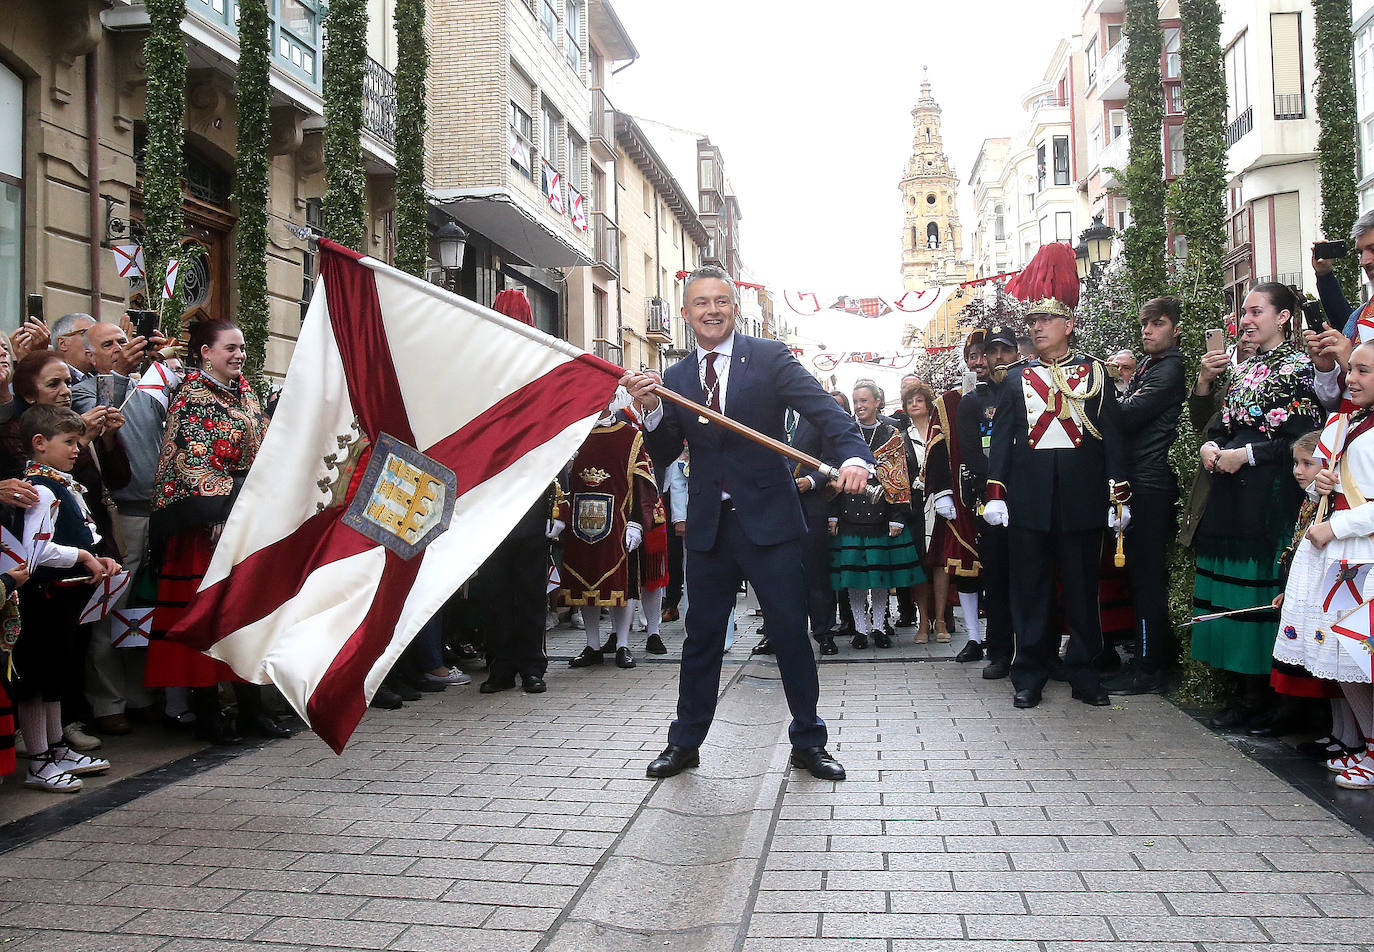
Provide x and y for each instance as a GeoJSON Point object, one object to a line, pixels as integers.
{"type": "Point", "coordinates": [392, 468]}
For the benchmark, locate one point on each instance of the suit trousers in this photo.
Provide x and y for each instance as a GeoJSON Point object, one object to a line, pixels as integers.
{"type": "Point", "coordinates": [713, 577]}
{"type": "Point", "coordinates": [996, 578]}
{"type": "Point", "coordinates": [512, 584]}
{"type": "Point", "coordinates": [1153, 519]}
{"type": "Point", "coordinates": [820, 597]}
{"type": "Point", "coordinates": [1038, 560]}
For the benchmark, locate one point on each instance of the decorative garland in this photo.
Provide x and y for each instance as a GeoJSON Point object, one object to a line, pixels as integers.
{"type": "Point", "coordinates": [164, 52]}
{"type": "Point", "coordinates": [412, 63]}
{"type": "Point", "coordinates": [1338, 138]}
{"type": "Point", "coordinates": [253, 95]}
{"type": "Point", "coordinates": [1145, 238]}
{"type": "Point", "coordinates": [345, 197]}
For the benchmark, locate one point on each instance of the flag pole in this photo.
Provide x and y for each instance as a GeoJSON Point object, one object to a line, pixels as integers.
{"type": "Point", "coordinates": [874, 492]}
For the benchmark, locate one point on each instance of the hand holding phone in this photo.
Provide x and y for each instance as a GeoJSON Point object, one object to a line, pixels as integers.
{"type": "Point", "coordinates": [1216, 340]}
{"type": "Point", "coordinates": [1330, 250]}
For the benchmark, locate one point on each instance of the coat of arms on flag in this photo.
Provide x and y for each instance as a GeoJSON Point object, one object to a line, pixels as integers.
{"type": "Point", "coordinates": [107, 592]}
{"type": "Point", "coordinates": [1343, 585]}
{"type": "Point", "coordinates": [129, 260]}
{"type": "Point", "coordinates": [1352, 637]}
{"type": "Point", "coordinates": [579, 216]}
{"type": "Point", "coordinates": [457, 419]}
{"type": "Point", "coordinates": [132, 627]}
{"type": "Point", "coordinates": [553, 187]}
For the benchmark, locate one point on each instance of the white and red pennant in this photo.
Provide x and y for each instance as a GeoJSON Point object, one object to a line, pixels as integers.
{"type": "Point", "coordinates": [297, 597]}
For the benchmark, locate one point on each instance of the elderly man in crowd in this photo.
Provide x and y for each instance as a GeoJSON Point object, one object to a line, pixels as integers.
{"type": "Point", "coordinates": [69, 341]}
{"type": "Point", "coordinates": [114, 676]}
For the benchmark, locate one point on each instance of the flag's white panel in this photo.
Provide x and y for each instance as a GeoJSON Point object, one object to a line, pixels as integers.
{"type": "Point", "coordinates": [280, 492]}
{"type": "Point", "coordinates": [296, 644]}
{"type": "Point", "coordinates": [443, 360]}
{"type": "Point", "coordinates": [483, 515]}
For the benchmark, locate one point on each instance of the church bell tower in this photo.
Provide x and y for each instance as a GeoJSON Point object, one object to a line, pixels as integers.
{"type": "Point", "coordinates": [932, 239]}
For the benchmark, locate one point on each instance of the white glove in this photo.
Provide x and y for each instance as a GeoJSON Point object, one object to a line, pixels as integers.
{"type": "Point", "coordinates": [995, 513]}
{"type": "Point", "coordinates": [944, 506]}
{"type": "Point", "coordinates": [1121, 522]}
{"type": "Point", "coordinates": [553, 528]}
{"type": "Point", "coordinates": [633, 536]}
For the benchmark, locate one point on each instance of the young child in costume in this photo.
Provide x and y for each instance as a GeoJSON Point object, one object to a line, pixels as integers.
{"type": "Point", "coordinates": [1344, 539]}
{"type": "Point", "coordinates": [1291, 680]}
{"type": "Point", "coordinates": [58, 534]}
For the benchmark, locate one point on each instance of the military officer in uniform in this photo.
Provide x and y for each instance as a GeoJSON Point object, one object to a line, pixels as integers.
{"type": "Point", "coordinates": [1056, 480]}
{"type": "Point", "coordinates": [975, 415]}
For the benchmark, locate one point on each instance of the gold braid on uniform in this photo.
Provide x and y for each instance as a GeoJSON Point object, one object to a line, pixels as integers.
{"type": "Point", "coordinates": [1061, 383]}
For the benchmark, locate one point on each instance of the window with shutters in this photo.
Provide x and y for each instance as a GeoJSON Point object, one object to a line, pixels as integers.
{"type": "Point", "coordinates": [1172, 66]}
{"type": "Point", "coordinates": [1285, 42]}
{"type": "Point", "coordinates": [551, 135]}
{"type": "Point", "coordinates": [572, 23]}
{"type": "Point", "coordinates": [1173, 149]}
{"type": "Point", "coordinates": [1061, 160]}
{"type": "Point", "coordinates": [1278, 253]}
{"type": "Point", "coordinates": [521, 126]}
{"type": "Point", "coordinates": [577, 162]}
{"type": "Point", "coordinates": [1237, 80]}
{"type": "Point", "coordinates": [1237, 220]}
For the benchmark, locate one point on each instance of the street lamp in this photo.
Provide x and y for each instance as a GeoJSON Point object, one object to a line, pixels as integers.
{"type": "Point", "coordinates": [452, 241]}
{"type": "Point", "coordinates": [1094, 249]}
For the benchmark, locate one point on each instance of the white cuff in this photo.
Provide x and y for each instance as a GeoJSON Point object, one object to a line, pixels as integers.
{"type": "Point", "coordinates": [856, 461]}
{"type": "Point", "coordinates": [896, 525]}
{"type": "Point", "coordinates": [812, 481]}
{"type": "Point", "coordinates": [654, 417]}
{"type": "Point", "coordinates": [1250, 453]}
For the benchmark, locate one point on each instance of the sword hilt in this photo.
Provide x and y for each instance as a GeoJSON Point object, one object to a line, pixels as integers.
{"type": "Point", "coordinates": [873, 492]}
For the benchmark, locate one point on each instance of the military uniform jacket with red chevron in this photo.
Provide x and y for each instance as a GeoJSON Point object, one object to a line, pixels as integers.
{"type": "Point", "coordinates": [1057, 449]}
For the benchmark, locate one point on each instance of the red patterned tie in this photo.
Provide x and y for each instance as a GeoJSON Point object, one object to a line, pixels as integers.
{"type": "Point", "coordinates": [712, 383]}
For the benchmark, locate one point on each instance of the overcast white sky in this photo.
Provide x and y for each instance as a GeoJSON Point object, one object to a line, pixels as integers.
{"type": "Point", "coordinates": [810, 103]}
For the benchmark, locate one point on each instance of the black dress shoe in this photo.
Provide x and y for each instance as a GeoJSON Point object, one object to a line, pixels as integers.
{"type": "Point", "coordinates": [996, 671]}
{"type": "Point", "coordinates": [422, 683]}
{"type": "Point", "coordinates": [387, 699]}
{"type": "Point", "coordinates": [1025, 699]}
{"type": "Point", "coordinates": [1231, 718]}
{"type": "Point", "coordinates": [818, 762]}
{"type": "Point", "coordinates": [1135, 681]}
{"type": "Point", "coordinates": [533, 684]}
{"type": "Point", "coordinates": [859, 641]}
{"type": "Point", "coordinates": [763, 647]}
{"type": "Point", "coordinates": [218, 730]}
{"type": "Point", "coordinates": [906, 621]}
{"type": "Point", "coordinates": [494, 685]}
{"type": "Point", "coordinates": [587, 658]}
{"type": "Point", "coordinates": [1097, 698]}
{"type": "Point", "coordinates": [827, 643]}
{"type": "Point", "coordinates": [673, 761]}
{"type": "Point", "coordinates": [973, 651]}
{"type": "Point", "coordinates": [265, 725]}
{"type": "Point", "coordinates": [882, 639]}
{"type": "Point", "coordinates": [404, 690]}
{"type": "Point", "coordinates": [609, 646]}
{"type": "Point", "coordinates": [624, 658]}
{"type": "Point", "coordinates": [655, 645]}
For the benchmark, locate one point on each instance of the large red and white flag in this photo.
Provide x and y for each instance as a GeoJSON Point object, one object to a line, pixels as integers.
{"type": "Point", "coordinates": [414, 428]}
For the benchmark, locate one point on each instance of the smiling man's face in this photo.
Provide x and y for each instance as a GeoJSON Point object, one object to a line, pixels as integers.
{"type": "Point", "coordinates": [710, 311]}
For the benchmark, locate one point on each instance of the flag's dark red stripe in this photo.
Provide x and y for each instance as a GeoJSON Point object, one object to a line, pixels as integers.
{"type": "Point", "coordinates": [356, 316]}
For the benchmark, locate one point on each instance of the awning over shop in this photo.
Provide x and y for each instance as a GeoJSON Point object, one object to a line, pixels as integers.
{"type": "Point", "coordinates": [500, 217]}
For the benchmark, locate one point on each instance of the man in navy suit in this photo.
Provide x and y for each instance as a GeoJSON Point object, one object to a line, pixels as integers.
{"type": "Point", "coordinates": [744, 519]}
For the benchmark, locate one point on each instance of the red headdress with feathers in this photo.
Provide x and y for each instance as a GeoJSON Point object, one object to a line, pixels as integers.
{"type": "Point", "coordinates": [513, 303]}
{"type": "Point", "coordinates": [1050, 282]}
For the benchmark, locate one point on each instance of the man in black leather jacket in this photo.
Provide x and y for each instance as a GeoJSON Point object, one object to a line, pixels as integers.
{"type": "Point", "coordinates": [1149, 419]}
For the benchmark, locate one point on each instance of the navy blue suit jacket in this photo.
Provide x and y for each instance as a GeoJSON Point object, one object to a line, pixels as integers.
{"type": "Point", "coordinates": [765, 379]}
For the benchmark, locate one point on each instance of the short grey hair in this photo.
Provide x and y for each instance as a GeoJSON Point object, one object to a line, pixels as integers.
{"type": "Point", "coordinates": [709, 272]}
{"type": "Point", "coordinates": [67, 323]}
{"type": "Point", "coordinates": [1363, 226]}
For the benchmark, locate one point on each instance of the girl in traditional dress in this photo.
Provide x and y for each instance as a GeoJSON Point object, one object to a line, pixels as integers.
{"type": "Point", "coordinates": [214, 430]}
{"type": "Point", "coordinates": [919, 402]}
{"type": "Point", "coordinates": [1343, 541]}
{"type": "Point", "coordinates": [1253, 501]}
{"type": "Point", "coordinates": [871, 547]}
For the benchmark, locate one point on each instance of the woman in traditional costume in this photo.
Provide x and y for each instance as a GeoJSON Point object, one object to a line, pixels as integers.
{"type": "Point", "coordinates": [871, 547]}
{"type": "Point", "coordinates": [214, 430]}
{"type": "Point", "coordinates": [1253, 501]}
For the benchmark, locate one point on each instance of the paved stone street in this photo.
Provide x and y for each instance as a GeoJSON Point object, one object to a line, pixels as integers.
{"type": "Point", "coordinates": [517, 822]}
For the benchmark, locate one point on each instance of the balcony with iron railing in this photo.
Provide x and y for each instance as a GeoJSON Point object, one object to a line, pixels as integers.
{"type": "Point", "coordinates": [1239, 126]}
{"type": "Point", "coordinates": [1290, 106]}
{"type": "Point", "coordinates": [379, 101]}
{"type": "Point", "coordinates": [602, 126]}
{"type": "Point", "coordinates": [658, 321]}
{"type": "Point", "coordinates": [1111, 73]}
{"type": "Point", "coordinates": [1045, 110]}
{"type": "Point", "coordinates": [605, 244]}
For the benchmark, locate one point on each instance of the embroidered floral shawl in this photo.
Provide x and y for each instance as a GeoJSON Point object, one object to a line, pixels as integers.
{"type": "Point", "coordinates": [1269, 389]}
{"type": "Point", "coordinates": [213, 435]}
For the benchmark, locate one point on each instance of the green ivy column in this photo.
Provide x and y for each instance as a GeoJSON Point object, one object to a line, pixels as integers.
{"type": "Point", "coordinates": [1339, 137]}
{"type": "Point", "coordinates": [345, 59]}
{"type": "Point", "coordinates": [164, 53]}
{"type": "Point", "coordinates": [1144, 174]}
{"type": "Point", "coordinates": [412, 63]}
{"type": "Point", "coordinates": [252, 94]}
